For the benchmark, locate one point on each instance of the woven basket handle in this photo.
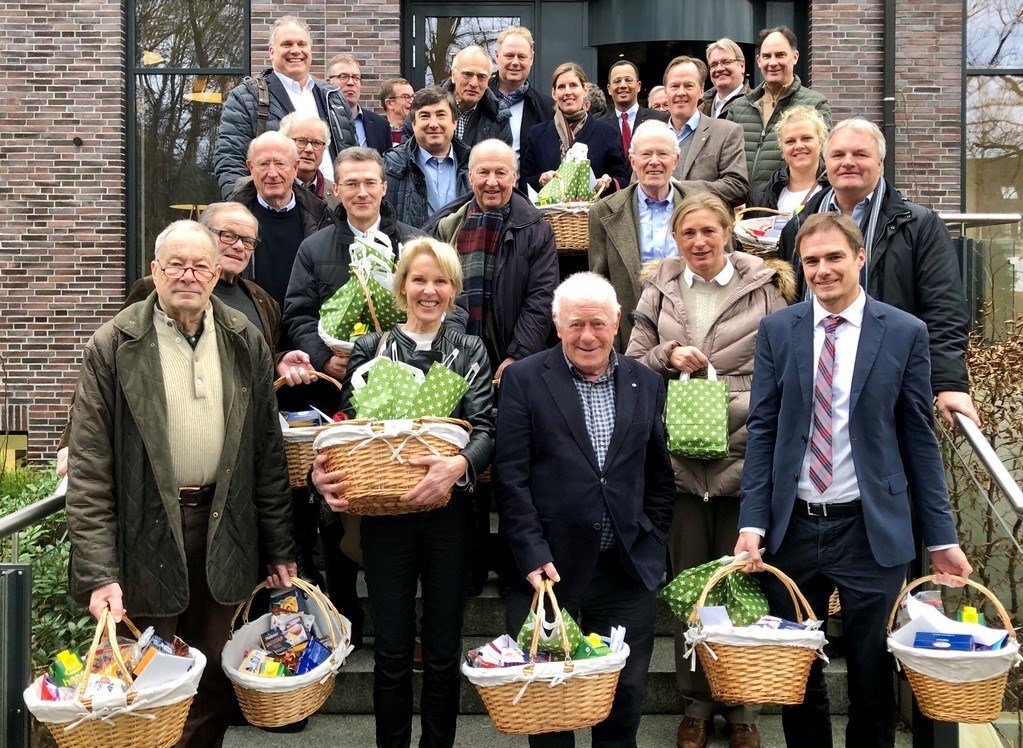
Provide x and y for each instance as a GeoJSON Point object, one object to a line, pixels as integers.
{"type": "Point", "coordinates": [1002, 613]}
{"type": "Point", "coordinates": [106, 630]}
{"type": "Point", "coordinates": [799, 603]}
{"type": "Point", "coordinates": [319, 375]}
{"type": "Point", "coordinates": [313, 593]}
{"type": "Point", "coordinates": [740, 213]}
{"type": "Point", "coordinates": [547, 589]}
{"type": "Point", "coordinates": [369, 299]}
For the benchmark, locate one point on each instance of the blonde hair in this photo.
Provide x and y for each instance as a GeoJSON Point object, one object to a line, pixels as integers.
{"type": "Point", "coordinates": [702, 201]}
{"type": "Point", "coordinates": [446, 257]}
{"type": "Point", "coordinates": [803, 113]}
{"type": "Point", "coordinates": [515, 31]}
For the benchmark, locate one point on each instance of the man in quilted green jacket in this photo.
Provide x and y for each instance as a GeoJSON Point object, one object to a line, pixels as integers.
{"type": "Point", "coordinates": [178, 487]}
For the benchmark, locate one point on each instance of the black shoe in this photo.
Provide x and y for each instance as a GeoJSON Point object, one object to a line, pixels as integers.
{"type": "Point", "coordinates": [288, 729]}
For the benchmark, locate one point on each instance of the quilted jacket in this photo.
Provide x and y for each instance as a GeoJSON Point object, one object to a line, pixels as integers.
{"type": "Point", "coordinates": [763, 288]}
{"type": "Point", "coordinates": [123, 515]}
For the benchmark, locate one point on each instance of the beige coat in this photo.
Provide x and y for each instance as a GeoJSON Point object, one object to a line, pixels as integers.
{"type": "Point", "coordinates": [729, 344]}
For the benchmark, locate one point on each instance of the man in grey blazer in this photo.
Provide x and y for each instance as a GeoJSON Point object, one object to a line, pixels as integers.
{"type": "Point", "coordinates": [712, 151]}
{"type": "Point", "coordinates": [633, 225]}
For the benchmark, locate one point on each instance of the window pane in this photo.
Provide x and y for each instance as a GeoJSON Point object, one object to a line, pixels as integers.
{"type": "Point", "coordinates": [176, 129]}
{"type": "Point", "coordinates": [190, 34]}
{"type": "Point", "coordinates": [994, 184]}
{"type": "Point", "coordinates": [994, 34]}
{"type": "Point", "coordinates": [447, 35]}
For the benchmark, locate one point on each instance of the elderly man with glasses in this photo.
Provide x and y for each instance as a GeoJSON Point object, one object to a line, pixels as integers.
{"type": "Point", "coordinates": [371, 130]}
{"type": "Point", "coordinates": [481, 115]}
{"type": "Point", "coordinates": [179, 486]}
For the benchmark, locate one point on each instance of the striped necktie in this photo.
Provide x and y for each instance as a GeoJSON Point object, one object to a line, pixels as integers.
{"type": "Point", "coordinates": [820, 436]}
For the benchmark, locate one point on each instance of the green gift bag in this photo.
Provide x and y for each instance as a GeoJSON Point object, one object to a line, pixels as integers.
{"type": "Point", "coordinates": [341, 311]}
{"type": "Point", "coordinates": [550, 633]}
{"type": "Point", "coordinates": [573, 180]}
{"type": "Point", "coordinates": [388, 392]}
{"type": "Point", "coordinates": [739, 593]}
{"type": "Point", "coordinates": [696, 417]}
{"type": "Point", "coordinates": [440, 393]}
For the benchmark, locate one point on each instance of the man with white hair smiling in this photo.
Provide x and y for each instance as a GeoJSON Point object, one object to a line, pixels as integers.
{"type": "Point", "coordinates": [585, 489]}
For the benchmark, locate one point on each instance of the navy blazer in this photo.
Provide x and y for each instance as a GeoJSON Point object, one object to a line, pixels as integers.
{"type": "Point", "coordinates": [551, 494]}
{"type": "Point", "coordinates": [542, 152]}
{"type": "Point", "coordinates": [378, 131]}
{"type": "Point", "coordinates": [891, 423]}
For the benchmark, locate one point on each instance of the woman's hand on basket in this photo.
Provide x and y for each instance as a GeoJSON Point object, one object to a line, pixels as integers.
{"type": "Point", "coordinates": [107, 596]}
{"type": "Point", "coordinates": [749, 542]}
{"type": "Point", "coordinates": [281, 575]}
{"type": "Point", "coordinates": [296, 369]}
{"type": "Point", "coordinates": [331, 485]}
{"type": "Point", "coordinates": [948, 563]}
{"type": "Point", "coordinates": [441, 474]}
{"type": "Point", "coordinates": [603, 183]}
{"type": "Point", "coordinates": [546, 177]}
{"type": "Point", "coordinates": [687, 359]}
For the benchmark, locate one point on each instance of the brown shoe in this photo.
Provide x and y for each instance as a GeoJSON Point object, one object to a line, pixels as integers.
{"type": "Point", "coordinates": [692, 733]}
{"type": "Point", "coordinates": [417, 658]}
{"type": "Point", "coordinates": [743, 736]}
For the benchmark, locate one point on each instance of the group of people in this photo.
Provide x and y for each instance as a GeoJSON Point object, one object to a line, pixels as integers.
{"type": "Point", "coordinates": [834, 353]}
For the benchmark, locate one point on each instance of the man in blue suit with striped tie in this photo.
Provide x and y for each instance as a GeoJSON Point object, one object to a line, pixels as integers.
{"type": "Point", "coordinates": [841, 462]}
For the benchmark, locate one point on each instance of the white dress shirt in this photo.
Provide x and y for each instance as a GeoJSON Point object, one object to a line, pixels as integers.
{"type": "Point", "coordinates": [719, 102]}
{"type": "Point", "coordinates": [630, 114]}
{"type": "Point", "coordinates": [304, 101]}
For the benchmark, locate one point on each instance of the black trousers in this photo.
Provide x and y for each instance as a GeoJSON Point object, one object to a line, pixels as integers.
{"type": "Point", "coordinates": [819, 554]}
{"type": "Point", "coordinates": [614, 598]}
{"type": "Point", "coordinates": [431, 549]}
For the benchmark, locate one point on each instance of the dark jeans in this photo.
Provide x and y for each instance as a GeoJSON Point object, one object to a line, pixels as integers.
{"type": "Point", "coordinates": [205, 625]}
{"type": "Point", "coordinates": [614, 598]}
{"type": "Point", "coordinates": [431, 548]}
{"type": "Point", "coordinates": [821, 553]}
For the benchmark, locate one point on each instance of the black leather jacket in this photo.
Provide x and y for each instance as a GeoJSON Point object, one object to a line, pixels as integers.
{"type": "Point", "coordinates": [477, 403]}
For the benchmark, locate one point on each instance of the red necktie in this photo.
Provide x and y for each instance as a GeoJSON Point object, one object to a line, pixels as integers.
{"type": "Point", "coordinates": [626, 133]}
{"type": "Point", "coordinates": [820, 437]}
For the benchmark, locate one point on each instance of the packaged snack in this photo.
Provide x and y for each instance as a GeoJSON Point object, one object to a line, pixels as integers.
{"type": "Point", "coordinates": [773, 622]}
{"type": "Point", "coordinates": [67, 670]}
{"type": "Point", "coordinates": [296, 628]}
{"type": "Point", "coordinates": [511, 656]}
{"type": "Point", "coordinates": [103, 685]}
{"type": "Point", "coordinates": [591, 646]}
{"type": "Point", "coordinates": [950, 642]}
{"type": "Point", "coordinates": [272, 669]}
{"type": "Point", "coordinates": [285, 602]}
{"type": "Point", "coordinates": [302, 418]}
{"type": "Point", "coordinates": [48, 690]}
{"type": "Point", "coordinates": [274, 642]}
{"type": "Point", "coordinates": [289, 660]}
{"type": "Point", "coordinates": [252, 661]}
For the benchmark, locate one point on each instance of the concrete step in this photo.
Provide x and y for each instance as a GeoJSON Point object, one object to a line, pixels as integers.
{"type": "Point", "coordinates": [357, 731]}
{"type": "Point", "coordinates": [353, 692]}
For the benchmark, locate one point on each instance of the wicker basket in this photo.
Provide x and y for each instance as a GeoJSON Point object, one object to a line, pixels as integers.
{"type": "Point", "coordinates": [377, 470]}
{"type": "Point", "coordinates": [285, 707]}
{"type": "Point", "coordinates": [743, 230]}
{"type": "Point", "coordinates": [298, 443]}
{"type": "Point", "coordinates": [976, 702]}
{"type": "Point", "coordinates": [764, 674]}
{"type": "Point", "coordinates": [159, 727]}
{"type": "Point", "coordinates": [576, 701]}
{"type": "Point", "coordinates": [571, 224]}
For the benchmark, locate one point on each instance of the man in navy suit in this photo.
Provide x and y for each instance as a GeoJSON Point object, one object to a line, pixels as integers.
{"type": "Point", "coordinates": [371, 129]}
{"type": "Point", "coordinates": [585, 489]}
{"type": "Point", "coordinates": [841, 461]}
{"type": "Point", "coordinates": [623, 84]}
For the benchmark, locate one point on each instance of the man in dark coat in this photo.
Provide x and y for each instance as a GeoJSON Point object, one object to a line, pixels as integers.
{"type": "Point", "coordinates": [623, 85]}
{"type": "Point", "coordinates": [432, 148]}
{"type": "Point", "coordinates": [585, 489]}
{"type": "Point", "coordinates": [481, 115]}
{"type": "Point", "coordinates": [258, 104]}
{"type": "Point", "coordinates": [371, 129]}
{"type": "Point", "coordinates": [178, 483]}
{"type": "Point", "coordinates": [526, 103]}
{"type": "Point", "coordinates": [727, 65]}
{"type": "Point", "coordinates": [910, 261]}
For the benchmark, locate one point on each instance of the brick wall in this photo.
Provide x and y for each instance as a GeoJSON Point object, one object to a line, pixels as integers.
{"type": "Point", "coordinates": [61, 205]}
{"type": "Point", "coordinates": [846, 63]}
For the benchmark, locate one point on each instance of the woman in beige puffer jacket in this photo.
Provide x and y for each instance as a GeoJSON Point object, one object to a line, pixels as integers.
{"type": "Point", "coordinates": [671, 338]}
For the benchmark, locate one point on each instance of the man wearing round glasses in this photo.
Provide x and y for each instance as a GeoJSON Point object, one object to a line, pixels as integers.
{"type": "Point", "coordinates": [371, 130]}
{"type": "Point", "coordinates": [311, 137]}
{"type": "Point", "coordinates": [481, 115]}
{"type": "Point", "coordinates": [727, 76]}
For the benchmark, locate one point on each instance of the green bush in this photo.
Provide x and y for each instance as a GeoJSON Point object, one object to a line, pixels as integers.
{"type": "Point", "coordinates": [58, 622]}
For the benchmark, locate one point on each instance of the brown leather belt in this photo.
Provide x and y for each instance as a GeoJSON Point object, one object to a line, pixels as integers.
{"type": "Point", "coordinates": [196, 495]}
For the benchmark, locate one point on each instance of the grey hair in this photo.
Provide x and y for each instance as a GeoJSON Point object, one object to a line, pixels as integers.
{"type": "Point", "coordinates": [212, 215]}
{"type": "Point", "coordinates": [272, 136]}
{"type": "Point", "coordinates": [585, 286]}
{"type": "Point", "coordinates": [726, 45]}
{"type": "Point", "coordinates": [187, 225]}
{"type": "Point", "coordinates": [653, 127]}
{"type": "Point", "coordinates": [862, 126]}
{"type": "Point", "coordinates": [472, 49]}
{"type": "Point", "coordinates": [296, 118]}
{"type": "Point", "coordinates": [494, 143]}
{"type": "Point", "coordinates": [284, 21]}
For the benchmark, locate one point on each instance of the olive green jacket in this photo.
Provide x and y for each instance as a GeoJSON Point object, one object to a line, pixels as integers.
{"type": "Point", "coordinates": [123, 515]}
{"type": "Point", "coordinates": [763, 151]}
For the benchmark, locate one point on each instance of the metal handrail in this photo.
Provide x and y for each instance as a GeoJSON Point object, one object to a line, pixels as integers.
{"type": "Point", "coordinates": [979, 220]}
{"type": "Point", "coordinates": [994, 466]}
{"type": "Point", "coordinates": [34, 512]}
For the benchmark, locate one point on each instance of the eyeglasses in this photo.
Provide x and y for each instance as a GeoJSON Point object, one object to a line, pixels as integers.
{"type": "Point", "coordinates": [303, 142]}
{"type": "Point", "coordinates": [176, 272]}
{"type": "Point", "coordinates": [230, 237]}
{"type": "Point", "coordinates": [403, 97]}
{"type": "Point", "coordinates": [469, 75]}
{"type": "Point", "coordinates": [723, 63]}
{"type": "Point", "coordinates": [628, 81]}
{"type": "Point", "coordinates": [352, 185]}
{"type": "Point", "coordinates": [354, 77]}
{"type": "Point", "coordinates": [278, 164]}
